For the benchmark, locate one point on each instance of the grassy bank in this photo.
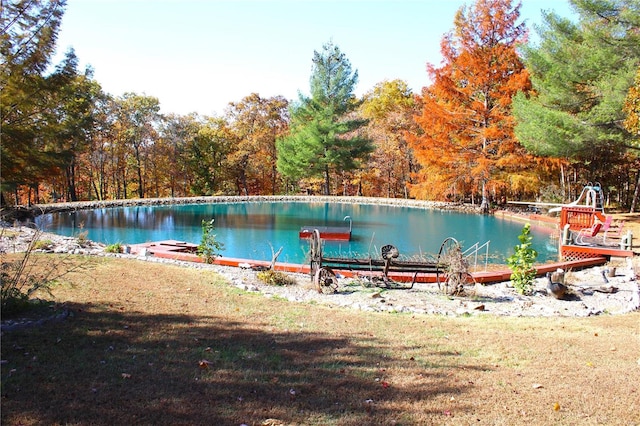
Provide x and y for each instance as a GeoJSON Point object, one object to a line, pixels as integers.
{"type": "Point", "coordinates": [158, 344]}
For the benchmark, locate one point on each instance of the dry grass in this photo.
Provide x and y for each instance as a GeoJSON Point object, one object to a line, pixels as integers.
{"type": "Point", "coordinates": [159, 344]}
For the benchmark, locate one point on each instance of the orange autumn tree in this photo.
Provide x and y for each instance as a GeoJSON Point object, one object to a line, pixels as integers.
{"type": "Point", "coordinates": [466, 145]}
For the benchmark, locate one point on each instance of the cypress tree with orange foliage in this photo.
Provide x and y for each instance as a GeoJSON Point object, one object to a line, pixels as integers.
{"type": "Point", "coordinates": [467, 145]}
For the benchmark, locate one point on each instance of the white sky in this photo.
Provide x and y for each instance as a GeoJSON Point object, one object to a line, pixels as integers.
{"type": "Point", "coordinates": [199, 55]}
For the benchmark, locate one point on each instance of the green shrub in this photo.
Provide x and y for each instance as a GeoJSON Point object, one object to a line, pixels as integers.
{"type": "Point", "coordinates": [113, 248]}
{"type": "Point", "coordinates": [277, 278]}
{"type": "Point", "coordinates": [42, 244]}
{"type": "Point", "coordinates": [209, 247]}
{"type": "Point", "coordinates": [521, 262]}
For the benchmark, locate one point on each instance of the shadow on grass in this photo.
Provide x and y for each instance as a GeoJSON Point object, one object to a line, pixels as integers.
{"type": "Point", "coordinates": [103, 366]}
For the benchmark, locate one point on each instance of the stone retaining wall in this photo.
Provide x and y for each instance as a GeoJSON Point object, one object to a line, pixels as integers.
{"type": "Point", "coordinates": [39, 209]}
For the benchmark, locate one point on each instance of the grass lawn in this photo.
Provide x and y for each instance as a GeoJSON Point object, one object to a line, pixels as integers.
{"type": "Point", "coordinates": [157, 344]}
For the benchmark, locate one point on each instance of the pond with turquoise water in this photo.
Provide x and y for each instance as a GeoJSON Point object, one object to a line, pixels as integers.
{"type": "Point", "coordinates": [251, 230]}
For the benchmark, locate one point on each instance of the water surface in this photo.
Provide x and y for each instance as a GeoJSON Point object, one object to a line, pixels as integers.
{"type": "Point", "coordinates": [251, 230]}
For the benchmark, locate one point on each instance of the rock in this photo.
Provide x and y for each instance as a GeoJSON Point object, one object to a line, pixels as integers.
{"type": "Point", "coordinates": [425, 298]}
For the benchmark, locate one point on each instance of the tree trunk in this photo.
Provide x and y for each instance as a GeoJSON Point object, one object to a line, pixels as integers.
{"type": "Point", "coordinates": [484, 206]}
{"type": "Point", "coordinates": [71, 183]}
{"type": "Point", "coordinates": [139, 167]}
{"type": "Point", "coordinates": [326, 181]}
{"type": "Point", "coordinates": [124, 184]}
{"type": "Point", "coordinates": [563, 186]}
{"type": "Point", "coordinates": [636, 194]}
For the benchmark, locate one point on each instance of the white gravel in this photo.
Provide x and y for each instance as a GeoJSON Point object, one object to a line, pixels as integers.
{"type": "Point", "coordinates": [592, 295]}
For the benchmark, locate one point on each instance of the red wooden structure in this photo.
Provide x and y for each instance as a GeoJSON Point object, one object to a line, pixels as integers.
{"type": "Point", "coordinates": [579, 217]}
{"type": "Point", "coordinates": [576, 218]}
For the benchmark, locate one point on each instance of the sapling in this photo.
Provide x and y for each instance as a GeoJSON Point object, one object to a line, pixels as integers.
{"type": "Point", "coordinates": [521, 262]}
{"type": "Point", "coordinates": [209, 247]}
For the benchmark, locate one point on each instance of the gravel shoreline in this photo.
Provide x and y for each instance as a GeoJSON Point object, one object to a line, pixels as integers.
{"type": "Point", "coordinates": [594, 291]}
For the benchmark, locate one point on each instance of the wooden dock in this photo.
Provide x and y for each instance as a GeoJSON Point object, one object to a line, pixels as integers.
{"type": "Point", "coordinates": [180, 250]}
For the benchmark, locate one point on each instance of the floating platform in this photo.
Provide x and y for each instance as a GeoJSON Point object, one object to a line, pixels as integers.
{"type": "Point", "coordinates": [168, 249]}
{"type": "Point", "coordinates": [332, 233]}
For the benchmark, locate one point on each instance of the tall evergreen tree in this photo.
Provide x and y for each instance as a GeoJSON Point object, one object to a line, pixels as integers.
{"type": "Point", "coordinates": [581, 73]}
{"type": "Point", "coordinates": [324, 137]}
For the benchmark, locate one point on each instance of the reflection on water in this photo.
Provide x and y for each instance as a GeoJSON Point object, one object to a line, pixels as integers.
{"type": "Point", "coordinates": [253, 230]}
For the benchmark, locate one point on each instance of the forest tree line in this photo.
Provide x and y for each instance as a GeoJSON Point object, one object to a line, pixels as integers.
{"type": "Point", "coordinates": [501, 119]}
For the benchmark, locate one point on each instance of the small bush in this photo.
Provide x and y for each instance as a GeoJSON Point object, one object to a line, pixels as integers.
{"type": "Point", "coordinates": [276, 278]}
{"type": "Point", "coordinates": [521, 262]}
{"type": "Point", "coordinates": [113, 248]}
{"type": "Point", "coordinates": [42, 244]}
{"type": "Point", "coordinates": [23, 276]}
{"type": "Point", "coordinates": [209, 247]}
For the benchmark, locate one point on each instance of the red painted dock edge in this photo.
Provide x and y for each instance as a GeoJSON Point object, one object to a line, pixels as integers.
{"type": "Point", "coordinates": [177, 250]}
{"type": "Point", "coordinates": [332, 233]}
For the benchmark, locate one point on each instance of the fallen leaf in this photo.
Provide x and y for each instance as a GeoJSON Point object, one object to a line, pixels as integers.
{"type": "Point", "coordinates": [126, 375]}
{"type": "Point", "coordinates": [537, 386]}
{"type": "Point", "coordinates": [556, 407]}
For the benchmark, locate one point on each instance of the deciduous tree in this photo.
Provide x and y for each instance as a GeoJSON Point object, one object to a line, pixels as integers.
{"type": "Point", "coordinates": [632, 124]}
{"type": "Point", "coordinates": [70, 119]}
{"type": "Point", "coordinates": [207, 154]}
{"type": "Point", "coordinates": [178, 132]}
{"type": "Point", "coordinates": [467, 143]}
{"type": "Point", "coordinates": [257, 123]}
{"type": "Point", "coordinates": [28, 31]}
{"type": "Point", "coordinates": [389, 108]}
{"type": "Point", "coordinates": [139, 116]}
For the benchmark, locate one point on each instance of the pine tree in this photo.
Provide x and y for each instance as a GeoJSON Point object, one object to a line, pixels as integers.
{"type": "Point", "coordinates": [323, 136]}
{"type": "Point", "coordinates": [581, 73]}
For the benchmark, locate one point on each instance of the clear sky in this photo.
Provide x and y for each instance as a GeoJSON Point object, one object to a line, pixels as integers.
{"type": "Point", "coordinates": [199, 55]}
